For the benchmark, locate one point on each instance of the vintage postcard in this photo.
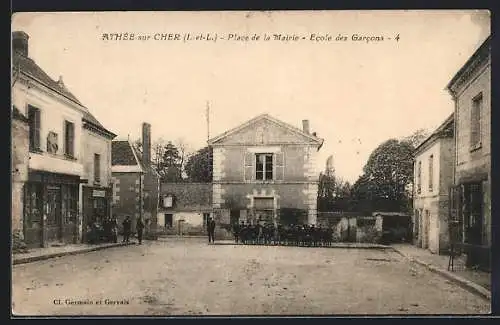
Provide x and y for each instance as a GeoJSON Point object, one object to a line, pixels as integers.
{"type": "Point", "coordinates": [244, 163]}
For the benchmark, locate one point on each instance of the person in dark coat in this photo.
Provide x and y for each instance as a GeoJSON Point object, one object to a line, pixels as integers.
{"type": "Point", "coordinates": [126, 229]}
{"type": "Point", "coordinates": [140, 228]}
{"type": "Point", "coordinates": [211, 230]}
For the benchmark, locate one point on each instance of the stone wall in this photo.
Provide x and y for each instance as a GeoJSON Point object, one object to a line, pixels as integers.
{"type": "Point", "coordinates": [19, 172]}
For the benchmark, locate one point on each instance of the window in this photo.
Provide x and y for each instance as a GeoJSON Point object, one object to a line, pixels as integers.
{"type": "Point", "coordinates": [97, 168]}
{"type": "Point", "coordinates": [34, 124]}
{"type": "Point", "coordinates": [33, 204]}
{"type": "Point", "coordinates": [69, 203]}
{"type": "Point", "coordinates": [419, 177]}
{"type": "Point", "coordinates": [475, 136]}
{"type": "Point", "coordinates": [69, 139]}
{"type": "Point", "coordinates": [264, 167]}
{"type": "Point", "coordinates": [431, 172]}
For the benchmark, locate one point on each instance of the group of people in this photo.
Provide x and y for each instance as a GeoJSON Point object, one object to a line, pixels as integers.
{"type": "Point", "coordinates": [105, 230]}
{"type": "Point", "coordinates": [290, 235]}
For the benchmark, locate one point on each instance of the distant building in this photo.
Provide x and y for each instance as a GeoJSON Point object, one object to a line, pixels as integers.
{"type": "Point", "coordinates": [185, 207]}
{"type": "Point", "coordinates": [55, 119]}
{"type": "Point", "coordinates": [471, 197]}
{"type": "Point", "coordinates": [97, 192]}
{"type": "Point", "coordinates": [264, 170]}
{"type": "Point", "coordinates": [433, 163]}
{"type": "Point", "coordinates": [135, 182]}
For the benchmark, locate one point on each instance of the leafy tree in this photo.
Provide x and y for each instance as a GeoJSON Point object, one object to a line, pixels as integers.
{"type": "Point", "coordinates": [199, 166]}
{"type": "Point", "coordinates": [170, 168]}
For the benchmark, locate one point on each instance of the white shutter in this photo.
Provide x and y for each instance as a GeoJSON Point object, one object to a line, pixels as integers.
{"type": "Point", "coordinates": [249, 166]}
{"type": "Point", "coordinates": [280, 166]}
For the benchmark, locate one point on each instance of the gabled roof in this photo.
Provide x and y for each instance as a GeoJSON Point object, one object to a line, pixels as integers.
{"type": "Point", "coordinates": [124, 158]}
{"type": "Point", "coordinates": [267, 117]}
{"type": "Point", "coordinates": [28, 67]}
{"type": "Point", "coordinates": [438, 133]}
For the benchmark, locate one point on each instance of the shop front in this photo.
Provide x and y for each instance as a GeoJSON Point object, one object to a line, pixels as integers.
{"type": "Point", "coordinates": [96, 206]}
{"type": "Point", "coordinates": [50, 208]}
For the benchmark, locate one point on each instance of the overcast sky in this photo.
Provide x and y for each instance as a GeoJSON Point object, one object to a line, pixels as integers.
{"type": "Point", "coordinates": [355, 94]}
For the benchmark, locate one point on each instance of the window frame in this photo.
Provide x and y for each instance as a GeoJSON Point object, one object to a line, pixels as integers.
{"type": "Point", "coordinates": [419, 177]}
{"type": "Point", "coordinates": [431, 173]}
{"type": "Point", "coordinates": [34, 117]}
{"type": "Point", "coordinates": [97, 168]}
{"type": "Point", "coordinates": [69, 146]}
{"type": "Point", "coordinates": [265, 167]}
{"type": "Point", "coordinates": [475, 120]}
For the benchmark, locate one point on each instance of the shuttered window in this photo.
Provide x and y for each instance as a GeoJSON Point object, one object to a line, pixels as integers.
{"type": "Point", "coordinates": [69, 139]}
{"type": "Point", "coordinates": [34, 132]}
{"type": "Point", "coordinates": [475, 137]}
{"type": "Point", "coordinates": [431, 173]}
{"type": "Point", "coordinates": [97, 168]}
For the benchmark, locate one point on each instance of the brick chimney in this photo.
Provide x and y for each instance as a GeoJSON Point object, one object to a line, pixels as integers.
{"type": "Point", "coordinates": [305, 126]}
{"type": "Point", "coordinates": [20, 43]}
{"type": "Point", "coordinates": [146, 143]}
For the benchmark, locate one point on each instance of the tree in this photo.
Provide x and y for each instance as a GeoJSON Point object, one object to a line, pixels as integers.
{"type": "Point", "coordinates": [199, 166]}
{"type": "Point", "coordinates": [170, 168]}
{"type": "Point", "coordinates": [417, 137]}
{"type": "Point", "coordinates": [386, 177]}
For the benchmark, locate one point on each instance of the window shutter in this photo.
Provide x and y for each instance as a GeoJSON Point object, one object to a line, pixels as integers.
{"type": "Point", "coordinates": [37, 128]}
{"type": "Point", "coordinates": [71, 136]}
{"type": "Point", "coordinates": [280, 166]}
{"type": "Point", "coordinates": [249, 166]}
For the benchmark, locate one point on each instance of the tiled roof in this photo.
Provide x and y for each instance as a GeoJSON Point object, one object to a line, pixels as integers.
{"type": "Point", "coordinates": [189, 196]}
{"type": "Point", "coordinates": [28, 66]}
{"type": "Point", "coordinates": [122, 154]}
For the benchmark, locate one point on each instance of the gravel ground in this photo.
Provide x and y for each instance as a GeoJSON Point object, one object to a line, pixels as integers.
{"type": "Point", "coordinates": [190, 277]}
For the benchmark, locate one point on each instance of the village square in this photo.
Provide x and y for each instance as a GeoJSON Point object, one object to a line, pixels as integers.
{"type": "Point", "coordinates": [258, 219]}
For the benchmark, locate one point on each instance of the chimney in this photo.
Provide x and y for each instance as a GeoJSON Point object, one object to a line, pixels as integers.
{"type": "Point", "coordinates": [146, 143]}
{"type": "Point", "coordinates": [20, 43]}
{"type": "Point", "coordinates": [60, 82]}
{"type": "Point", "coordinates": [305, 126]}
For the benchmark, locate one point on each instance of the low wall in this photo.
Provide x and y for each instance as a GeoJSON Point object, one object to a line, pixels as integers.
{"type": "Point", "coordinates": [349, 227]}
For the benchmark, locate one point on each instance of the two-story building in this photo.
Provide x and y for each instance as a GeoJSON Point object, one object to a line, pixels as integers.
{"type": "Point", "coordinates": [97, 193]}
{"type": "Point", "coordinates": [265, 170]}
{"type": "Point", "coordinates": [55, 119]}
{"type": "Point", "coordinates": [433, 162]}
{"type": "Point", "coordinates": [471, 197]}
{"type": "Point", "coordinates": [136, 184]}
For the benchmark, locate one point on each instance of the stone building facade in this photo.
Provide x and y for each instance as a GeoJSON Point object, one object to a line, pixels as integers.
{"type": "Point", "coordinates": [19, 168]}
{"type": "Point", "coordinates": [265, 170]}
{"type": "Point", "coordinates": [97, 193]}
{"type": "Point", "coordinates": [51, 200]}
{"type": "Point", "coordinates": [135, 182]}
{"type": "Point", "coordinates": [433, 163]}
{"type": "Point", "coordinates": [471, 196]}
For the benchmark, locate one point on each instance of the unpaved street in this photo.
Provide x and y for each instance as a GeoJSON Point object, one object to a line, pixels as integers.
{"type": "Point", "coordinates": [189, 277]}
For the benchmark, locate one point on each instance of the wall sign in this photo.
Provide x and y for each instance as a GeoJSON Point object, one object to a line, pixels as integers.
{"type": "Point", "coordinates": [98, 193]}
{"type": "Point", "coordinates": [52, 145]}
{"type": "Point", "coordinates": [168, 201]}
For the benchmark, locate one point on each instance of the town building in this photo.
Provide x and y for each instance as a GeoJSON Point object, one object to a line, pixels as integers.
{"type": "Point", "coordinates": [265, 170]}
{"type": "Point", "coordinates": [471, 196]}
{"type": "Point", "coordinates": [135, 182]}
{"type": "Point", "coordinates": [97, 192]}
{"type": "Point", "coordinates": [55, 117]}
{"type": "Point", "coordinates": [433, 163]}
{"type": "Point", "coordinates": [19, 168]}
{"type": "Point", "coordinates": [185, 208]}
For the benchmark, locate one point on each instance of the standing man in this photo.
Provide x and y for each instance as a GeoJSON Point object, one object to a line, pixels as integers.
{"type": "Point", "coordinates": [126, 229]}
{"type": "Point", "coordinates": [211, 230]}
{"type": "Point", "coordinates": [140, 227]}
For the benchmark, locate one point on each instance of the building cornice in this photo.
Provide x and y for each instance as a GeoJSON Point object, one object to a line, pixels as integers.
{"type": "Point", "coordinates": [479, 59]}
